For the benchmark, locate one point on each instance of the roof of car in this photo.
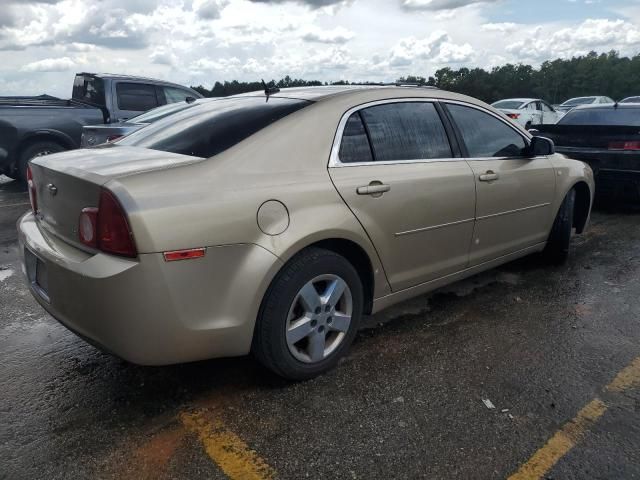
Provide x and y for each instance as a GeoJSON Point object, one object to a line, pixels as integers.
{"type": "Point", "coordinates": [523, 100]}
{"type": "Point", "coordinates": [118, 76]}
{"type": "Point", "coordinates": [323, 92]}
{"type": "Point", "coordinates": [606, 106]}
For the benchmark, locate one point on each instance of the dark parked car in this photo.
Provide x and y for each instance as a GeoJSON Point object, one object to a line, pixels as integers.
{"type": "Point", "coordinates": [607, 137]}
{"type": "Point", "coordinates": [35, 126]}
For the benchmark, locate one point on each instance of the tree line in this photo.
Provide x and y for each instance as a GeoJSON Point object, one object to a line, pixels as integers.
{"type": "Point", "coordinates": [555, 80]}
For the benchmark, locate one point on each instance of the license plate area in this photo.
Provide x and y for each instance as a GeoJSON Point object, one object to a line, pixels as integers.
{"type": "Point", "coordinates": [37, 274]}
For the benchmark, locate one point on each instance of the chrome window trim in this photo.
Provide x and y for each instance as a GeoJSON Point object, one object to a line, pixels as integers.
{"type": "Point", "coordinates": [334, 158]}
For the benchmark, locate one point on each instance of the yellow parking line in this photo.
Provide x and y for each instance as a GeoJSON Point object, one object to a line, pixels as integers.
{"type": "Point", "coordinates": [573, 431]}
{"type": "Point", "coordinates": [627, 378]}
{"type": "Point", "coordinates": [563, 441]}
{"type": "Point", "coordinates": [227, 449]}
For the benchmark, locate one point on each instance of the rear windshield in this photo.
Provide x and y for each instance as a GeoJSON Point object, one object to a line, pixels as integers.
{"type": "Point", "coordinates": [508, 104]}
{"type": "Point", "coordinates": [210, 128]}
{"type": "Point", "coordinates": [631, 100]}
{"type": "Point", "coordinates": [603, 116]}
{"type": "Point", "coordinates": [161, 112]}
{"type": "Point", "coordinates": [578, 101]}
{"type": "Point", "coordinates": [88, 89]}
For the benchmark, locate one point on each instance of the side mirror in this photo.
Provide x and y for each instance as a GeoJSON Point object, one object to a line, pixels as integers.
{"type": "Point", "coordinates": [541, 146]}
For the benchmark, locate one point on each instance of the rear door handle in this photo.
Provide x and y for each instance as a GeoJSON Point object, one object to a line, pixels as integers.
{"type": "Point", "coordinates": [374, 188]}
{"type": "Point", "coordinates": [489, 176]}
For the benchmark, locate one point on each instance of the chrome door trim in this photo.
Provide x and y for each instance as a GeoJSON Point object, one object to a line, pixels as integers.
{"type": "Point", "coordinates": [507, 212]}
{"type": "Point", "coordinates": [434, 227]}
{"type": "Point", "coordinates": [334, 159]}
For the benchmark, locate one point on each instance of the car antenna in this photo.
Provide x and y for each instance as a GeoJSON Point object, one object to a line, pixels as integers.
{"type": "Point", "coordinates": [269, 90]}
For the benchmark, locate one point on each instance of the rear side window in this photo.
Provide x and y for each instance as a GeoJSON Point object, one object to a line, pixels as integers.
{"type": "Point", "coordinates": [354, 146]}
{"type": "Point", "coordinates": [89, 89]}
{"type": "Point", "coordinates": [137, 97]}
{"type": "Point", "coordinates": [603, 116]}
{"type": "Point", "coordinates": [406, 131]}
{"type": "Point", "coordinates": [209, 128]}
{"type": "Point", "coordinates": [484, 135]}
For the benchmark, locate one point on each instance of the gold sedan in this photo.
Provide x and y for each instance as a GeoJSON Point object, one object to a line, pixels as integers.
{"type": "Point", "coordinates": [272, 222]}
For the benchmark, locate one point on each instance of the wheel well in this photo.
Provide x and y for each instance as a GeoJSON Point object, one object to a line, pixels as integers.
{"type": "Point", "coordinates": [359, 259]}
{"type": "Point", "coordinates": [44, 137]}
{"type": "Point", "coordinates": [581, 208]}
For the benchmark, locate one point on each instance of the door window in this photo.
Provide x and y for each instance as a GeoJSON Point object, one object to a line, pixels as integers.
{"type": "Point", "coordinates": [137, 97]}
{"type": "Point", "coordinates": [484, 135]}
{"type": "Point", "coordinates": [354, 146]}
{"type": "Point", "coordinates": [546, 108]}
{"type": "Point", "coordinates": [531, 106]}
{"type": "Point", "coordinates": [406, 131]}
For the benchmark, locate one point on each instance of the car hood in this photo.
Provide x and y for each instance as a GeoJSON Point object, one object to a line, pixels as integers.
{"type": "Point", "coordinates": [103, 163]}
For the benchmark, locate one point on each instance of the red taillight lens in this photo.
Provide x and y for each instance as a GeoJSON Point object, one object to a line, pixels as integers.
{"type": "Point", "coordinates": [106, 227]}
{"type": "Point", "coordinates": [33, 198]}
{"type": "Point", "coordinates": [113, 138]}
{"type": "Point", "coordinates": [630, 145]}
{"type": "Point", "coordinates": [515, 116]}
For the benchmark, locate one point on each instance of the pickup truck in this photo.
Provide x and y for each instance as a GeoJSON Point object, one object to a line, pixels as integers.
{"type": "Point", "coordinates": [35, 126]}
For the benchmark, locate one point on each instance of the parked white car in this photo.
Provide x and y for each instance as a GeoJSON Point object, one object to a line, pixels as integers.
{"type": "Point", "coordinates": [527, 111]}
{"type": "Point", "coordinates": [572, 103]}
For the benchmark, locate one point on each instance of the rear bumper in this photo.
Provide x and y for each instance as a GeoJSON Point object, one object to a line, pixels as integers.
{"type": "Point", "coordinates": [148, 311]}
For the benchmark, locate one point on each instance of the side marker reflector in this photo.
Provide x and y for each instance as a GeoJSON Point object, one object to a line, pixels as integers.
{"type": "Point", "coordinates": [184, 254]}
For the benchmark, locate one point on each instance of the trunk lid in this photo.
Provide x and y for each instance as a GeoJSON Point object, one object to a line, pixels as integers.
{"type": "Point", "coordinates": [70, 181]}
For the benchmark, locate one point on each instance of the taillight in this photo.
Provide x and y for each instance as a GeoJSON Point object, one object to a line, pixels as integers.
{"type": "Point", "coordinates": [106, 227]}
{"type": "Point", "coordinates": [113, 138]}
{"type": "Point", "coordinates": [33, 198]}
{"type": "Point", "coordinates": [515, 116]}
{"type": "Point", "coordinates": [630, 145]}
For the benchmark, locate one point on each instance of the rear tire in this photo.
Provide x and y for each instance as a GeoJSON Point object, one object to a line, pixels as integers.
{"type": "Point", "coordinates": [309, 316]}
{"type": "Point", "coordinates": [37, 149]}
{"type": "Point", "coordinates": [557, 249]}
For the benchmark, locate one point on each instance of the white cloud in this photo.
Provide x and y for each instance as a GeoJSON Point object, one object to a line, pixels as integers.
{"type": "Point", "coordinates": [50, 65]}
{"type": "Point", "coordinates": [592, 34]}
{"type": "Point", "coordinates": [504, 27]}
{"type": "Point", "coordinates": [336, 35]}
{"type": "Point", "coordinates": [441, 4]}
{"type": "Point", "coordinates": [437, 47]}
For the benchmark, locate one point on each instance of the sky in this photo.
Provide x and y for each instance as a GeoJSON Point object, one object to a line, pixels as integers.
{"type": "Point", "coordinates": [197, 42]}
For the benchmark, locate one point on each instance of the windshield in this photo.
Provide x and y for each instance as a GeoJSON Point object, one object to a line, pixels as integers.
{"type": "Point", "coordinates": [631, 100]}
{"type": "Point", "coordinates": [163, 111]}
{"type": "Point", "coordinates": [603, 116]}
{"type": "Point", "coordinates": [508, 104]}
{"type": "Point", "coordinates": [578, 101]}
{"type": "Point", "coordinates": [212, 127]}
{"type": "Point", "coordinates": [88, 89]}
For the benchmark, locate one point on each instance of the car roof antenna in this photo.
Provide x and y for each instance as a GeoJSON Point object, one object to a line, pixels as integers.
{"type": "Point", "coordinates": [269, 90]}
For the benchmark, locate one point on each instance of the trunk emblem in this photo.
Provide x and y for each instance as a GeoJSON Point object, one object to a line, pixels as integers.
{"type": "Point", "coordinates": [52, 189]}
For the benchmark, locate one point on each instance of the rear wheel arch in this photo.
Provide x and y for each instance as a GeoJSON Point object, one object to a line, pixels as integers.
{"type": "Point", "coordinates": [41, 137]}
{"type": "Point", "coordinates": [582, 206]}
{"type": "Point", "coordinates": [354, 253]}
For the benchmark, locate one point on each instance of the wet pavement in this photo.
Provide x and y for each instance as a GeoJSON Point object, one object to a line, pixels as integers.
{"type": "Point", "coordinates": [540, 342]}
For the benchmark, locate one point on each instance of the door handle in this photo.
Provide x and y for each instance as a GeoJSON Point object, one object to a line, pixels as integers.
{"type": "Point", "coordinates": [375, 189]}
{"type": "Point", "coordinates": [489, 176]}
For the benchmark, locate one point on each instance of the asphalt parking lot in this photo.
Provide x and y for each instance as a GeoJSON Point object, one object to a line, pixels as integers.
{"type": "Point", "coordinates": [553, 349]}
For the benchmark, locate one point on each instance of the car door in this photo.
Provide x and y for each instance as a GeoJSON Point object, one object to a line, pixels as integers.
{"type": "Point", "coordinates": [536, 113]}
{"type": "Point", "coordinates": [514, 191]}
{"type": "Point", "coordinates": [549, 115]}
{"type": "Point", "coordinates": [394, 166]}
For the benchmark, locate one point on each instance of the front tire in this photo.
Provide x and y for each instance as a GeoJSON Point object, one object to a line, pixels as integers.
{"type": "Point", "coordinates": [557, 249]}
{"type": "Point", "coordinates": [309, 316]}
